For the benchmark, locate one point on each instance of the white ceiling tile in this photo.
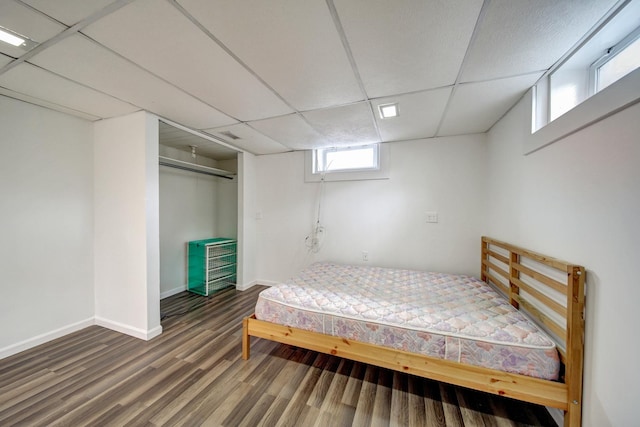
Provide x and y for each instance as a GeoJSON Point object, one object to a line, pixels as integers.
{"type": "Point", "coordinates": [293, 45]}
{"type": "Point", "coordinates": [162, 40]}
{"type": "Point", "coordinates": [46, 104]}
{"type": "Point", "coordinates": [248, 139]}
{"type": "Point", "coordinates": [518, 37]}
{"type": "Point", "coordinates": [419, 45]}
{"type": "Point", "coordinates": [27, 22]}
{"type": "Point", "coordinates": [347, 125]}
{"type": "Point", "coordinates": [419, 115]}
{"type": "Point", "coordinates": [38, 83]}
{"type": "Point", "coordinates": [84, 61]}
{"type": "Point", "coordinates": [69, 12]}
{"type": "Point", "coordinates": [475, 107]}
{"type": "Point", "coordinates": [291, 130]}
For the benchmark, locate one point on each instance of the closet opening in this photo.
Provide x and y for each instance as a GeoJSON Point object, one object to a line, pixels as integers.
{"type": "Point", "coordinates": [198, 201]}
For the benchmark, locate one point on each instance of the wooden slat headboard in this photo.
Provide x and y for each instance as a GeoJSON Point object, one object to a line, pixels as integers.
{"type": "Point", "coordinates": [549, 290]}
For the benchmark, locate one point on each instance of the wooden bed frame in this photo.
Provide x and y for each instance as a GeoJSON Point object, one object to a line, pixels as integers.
{"type": "Point", "coordinates": [516, 273]}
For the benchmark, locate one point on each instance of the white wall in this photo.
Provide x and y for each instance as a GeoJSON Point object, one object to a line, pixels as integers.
{"type": "Point", "coordinates": [126, 187]}
{"type": "Point", "coordinates": [46, 224]}
{"type": "Point", "coordinates": [192, 207]}
{"type": "Point", "coordinates": [579, 199]}
{"type": "Point", "coordinates": [247, 249]}
{"type": "Point", "coordinates": [386, 218]}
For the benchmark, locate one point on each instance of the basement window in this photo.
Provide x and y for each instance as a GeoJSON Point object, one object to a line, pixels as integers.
{"type": "Point", "coordinates": [617, 62]}
{"type": "Point", "coordinates": [601, 76]}
{"type": "Point", "coordinates": [343, 159]}
{"type": "Point", "coordinates": [355, 163]}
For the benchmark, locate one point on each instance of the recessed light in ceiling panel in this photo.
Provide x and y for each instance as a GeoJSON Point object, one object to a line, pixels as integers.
{"type": "Point", "coordinates": [517, 37]}
{"type": "Point", "coordinates": [158, 37]}
{"type": "Point", "coordinates": [399, 49]}
{"type": "Point", "coordinates": [84, 61]}
{"type": "Point", "coordinates": [27, 24]}
{"type": "Point", "coordinates": [475, 107]}
{"type": "Point", "coordinates": [388, 111]}
{"type": "Point", "coordinates": [293, 45]}
{"type": "Point", "coordinates": [421, 113]}
{"type": "Point", "coordinates": [8, 36]}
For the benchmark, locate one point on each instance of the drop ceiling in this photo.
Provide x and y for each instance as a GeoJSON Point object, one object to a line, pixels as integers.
{"type": "Point", "coordinates": [281, 75]}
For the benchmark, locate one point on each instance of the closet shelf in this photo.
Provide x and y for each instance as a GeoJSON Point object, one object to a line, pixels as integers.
{"type": "Point", "coordinates": [207, 170]}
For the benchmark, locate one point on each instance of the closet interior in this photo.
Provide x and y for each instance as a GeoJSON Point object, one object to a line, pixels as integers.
{"type": "Point", "coordinates": [198, 201]}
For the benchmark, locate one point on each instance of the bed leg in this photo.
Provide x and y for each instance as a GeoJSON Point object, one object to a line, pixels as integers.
{"type": "Point", "coordinates": [573, 417]}
{"type": "Point", "coordinates": [246, 339]}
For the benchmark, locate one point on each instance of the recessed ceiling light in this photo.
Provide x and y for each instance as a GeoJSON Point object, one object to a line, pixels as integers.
{"type": "Point", "coordinates": [7, 37]}
{"type": "Point", "coordinates": [15, 39]}
{"type": "Point", "coordinates": [388, 110]}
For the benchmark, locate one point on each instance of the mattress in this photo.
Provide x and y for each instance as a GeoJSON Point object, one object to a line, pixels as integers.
{"type": "Point", "coordinates": [452, 317]}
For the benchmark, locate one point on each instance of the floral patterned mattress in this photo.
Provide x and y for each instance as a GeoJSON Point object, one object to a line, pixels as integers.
{"type": "Point", "coordinates": [452, 317]}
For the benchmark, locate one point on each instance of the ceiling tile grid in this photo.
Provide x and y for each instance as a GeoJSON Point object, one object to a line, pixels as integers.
{"type": "Point", "coordinates": [87, 62]}
{"type": "Point", "coordinates": [157, 36]}
{"type": "Point", "coordinates": [247, 138]}
{"type": "Point", "coordinates": [497, 97]}
{"type": "Point", "coordinates": [292, 131]}
{"type": "Point", "coordinates": [33, 81]}
{"type": "Point", "coordinates": [419, 115]}
{"type": "Point", "coordinates": [288, 74]}
{"type": "Point", "coordinates": [409, 45]}
{"type": "Point", "coordinates": [518, 37]}
{"type": "Point", "coordinates": [69, 12]}
{"type": "Point", "coordinates": [293, 45]}
{"type": "Point", "coordinates": [28, 22]}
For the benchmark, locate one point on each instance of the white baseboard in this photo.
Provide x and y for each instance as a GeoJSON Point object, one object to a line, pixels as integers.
{"type": "Point", "coordinates": [43, 338]}
{"type": "Point", "coordinates": [171, 292]}
{"type": "Point", "coordinates": [129, 330]}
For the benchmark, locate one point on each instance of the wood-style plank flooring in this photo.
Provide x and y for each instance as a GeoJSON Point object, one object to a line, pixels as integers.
{"type": "Point", "coordinates": [193, 374]}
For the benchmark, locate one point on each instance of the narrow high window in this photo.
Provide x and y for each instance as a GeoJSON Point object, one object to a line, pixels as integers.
{"type": "Point", "coordinates": [346, 159]}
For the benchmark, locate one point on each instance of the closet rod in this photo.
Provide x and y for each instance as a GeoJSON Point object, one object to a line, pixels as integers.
{"type": "Point", "coordinates": [177, 164]}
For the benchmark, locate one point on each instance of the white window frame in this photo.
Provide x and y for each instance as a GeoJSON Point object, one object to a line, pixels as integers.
{"type": "Point", "coordinates": [358, 174]}
{"type": "Point", "coordinates": [323, 153]}
{"type": "Point", "coordinates": [594, 69]}
{"type": "Point", "coordinates": [614, 98]}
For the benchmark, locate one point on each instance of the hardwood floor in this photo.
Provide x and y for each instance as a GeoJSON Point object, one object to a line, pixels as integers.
{"type": "Point", "coordinates": [193, 374]}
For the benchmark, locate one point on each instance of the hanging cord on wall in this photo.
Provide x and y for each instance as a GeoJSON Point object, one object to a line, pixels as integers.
{"type": "Point", "coordinates": [314, 240]}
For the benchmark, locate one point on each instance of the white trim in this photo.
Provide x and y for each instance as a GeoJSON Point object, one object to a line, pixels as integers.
{"type": "Point", "coordinates": [129, 330]}
{"type": "Point", "coordinates": [172, 292]}
{"type": "Point", "coordinates": [44, 338]}
{"type": "Point", "coordinates": [612, 99]}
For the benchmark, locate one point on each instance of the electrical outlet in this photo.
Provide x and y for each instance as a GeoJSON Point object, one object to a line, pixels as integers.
{"type": "Point", "coordinates": [365, 256]}
{"type": "Point", "coordinates": [431, 216]}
